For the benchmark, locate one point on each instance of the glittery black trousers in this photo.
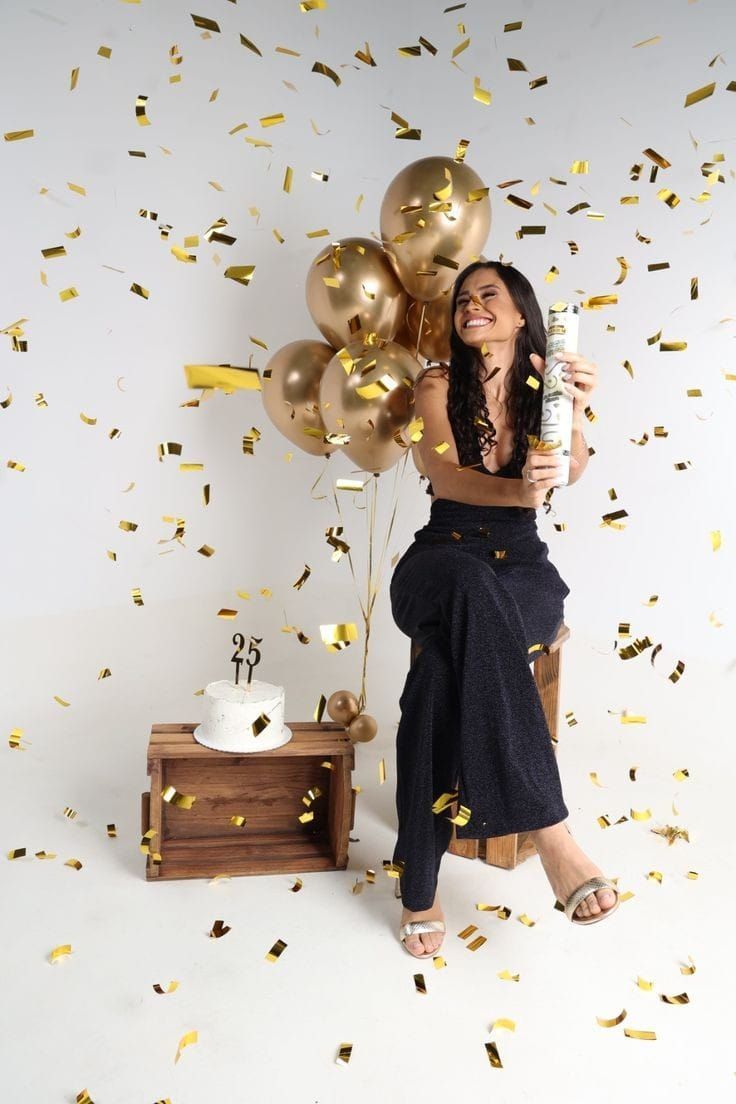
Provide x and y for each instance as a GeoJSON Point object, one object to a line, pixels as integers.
{"type": "Point", "coordinates": [472, 719]}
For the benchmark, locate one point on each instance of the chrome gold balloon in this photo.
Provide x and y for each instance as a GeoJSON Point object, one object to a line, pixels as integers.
{"type": "Point", "coordinates": [343, 706]}
{"type": "Point", "coordinates": [362, 729]}
{"type": "Point", "coordinates": [367, 392]}
{"type": "Point", "coordinates": [353, 290]}
{"type": "Point", "coordinates": [435, 219]}
{"type": "Point", "coordinates": [291, 383]}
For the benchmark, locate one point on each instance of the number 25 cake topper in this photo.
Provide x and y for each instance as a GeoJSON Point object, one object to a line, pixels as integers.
{"type": "Point", "coordinates": [239, 641]}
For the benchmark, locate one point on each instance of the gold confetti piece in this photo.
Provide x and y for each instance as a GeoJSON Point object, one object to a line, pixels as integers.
{"type": "Point", "coordinates": [482, 95]}
{"type": "Point", "coordinates": [579, 167]}
{"type": "Point", "coordinates": [17, 853]}
{"type": "Point", "coordinates": [493, 1055]}
{"type": "Point", "coordinates": [128, 526]}
{"type": "Point", "coordinates": [699, 94]}
{"type": "Point", "coordinates": [16, 465]}
{"type": "Point", "coordinates": [631, 1034]}
{"type": "Point", "coordinates": [276, 951]}
{"type": "Point", "coordinates": [138, 289]}
{"type": "Point", "coordinates": [219, 928]}
{"type": "Point", "coordinates": [688, 969]}
{"type": "Point", "coordinates": [319, 710]}
{"type": "Point", "coordinates": [345, 1053]}
{"type": "Point", "coordinates": [443, 446]}
{"type": "Point", "coordinates": [337, 637]}
{"type": "Point", "coordinates": [614, 1022]}
{"type": "Point", "coordinates": [260, 723]}
{"type": "Point", "coordinates": [655, 876]}
{"type": "Point", "coordinates": [237, 821]}
{"type": "Point", "coordinates": [538, 82]}
{"type": "Point", "coordinates": [205, 550]}
{"type": "Point", "coordinates": [420, 984]}
{"type": "Point", "coordinates": [104, 673]}
{"type": "Point", "coordinates": [510, 1025]}
{"type": "Point", "coordinates": [225, 376]}
{"type": "Point", "coordinates": [462, 817]}
{"type": "Point", "coordinates": [60, 952]}
{"type": "Point", "coordinates": [645, 814]}
{"type": "Point", "coordinates": [643, 984]}
{"type": "Point", "coordinates": [272, 120]}
{"type": "Point", "coordinates": [302, 578]}
{"type": "Point", "coordinates": [83, 1097]}
{"type": "Point", "coordinates": [136, 596]}
{"type": "Point", "coordinates": [68, 293]}
{"type": "Point", "coordinates": [45, 855]}
{"type": "Point", "coordinates": [681, 998]}
{"type": "Point", "coordinates": [242, 274]}
{"type": "Point", "coordinates": [320, 67]}
{"type": "Point", "coordinates": [16, 735]}
{"type": "Point", "coordinates": [227, 614]}
{"type": "Point", "coordinates": [382, 771]}
{"type": "Point", "coordinates": [467, 931]}
{"type": "Point", "coordinates": [112, 831]}
{"type": "Point", "coordinates": [54, 251]}
{"type": "Point", "coordinates": [526, 920]}
{"type": "Point", "coordinates": [171, 987]}
{"type": "Point", "coordinates": [672, 346]}
{"type": "Point", "coordinates": [18, 135]}
{"type": "Point", "coordinates": [191, 1036]}
{"type": "Point", "coordinates": [250, 45]}
{"type": "Point", "coordinates": [504, 975]}
{"type": "Point", "coordinates": [173, 797]}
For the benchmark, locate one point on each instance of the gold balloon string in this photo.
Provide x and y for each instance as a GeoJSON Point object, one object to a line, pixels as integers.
{"type": "Point", "coordinates": [419, 331]}
{"type": "Point", "coordinates": [318, 498]}
{"type": "Point", "coordinates": [374, 584]}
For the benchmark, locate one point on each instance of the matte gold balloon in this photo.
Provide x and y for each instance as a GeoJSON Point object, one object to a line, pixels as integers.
{"type": "Point", "coordinates": [436, 324]}
{"type": "Point", "coordinates": [429, 218]}
{"type": "Point", "coordinates": [362, 294]}
{"type": "Point", "coordinates": [291, 393]}
{"type": "Point", "coordinates": [343, 706]}
{"type": "Point", "coordinates": [367, 392]}
{"type": "Point", "coordinates": [362, 729]}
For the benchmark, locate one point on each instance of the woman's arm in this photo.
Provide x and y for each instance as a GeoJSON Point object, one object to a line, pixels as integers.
{"type": "Point", "coordinates": [470, 486]}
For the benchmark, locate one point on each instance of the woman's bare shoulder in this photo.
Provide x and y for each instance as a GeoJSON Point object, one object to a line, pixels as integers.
{"type": "Point", "coordinates": [434, 373]}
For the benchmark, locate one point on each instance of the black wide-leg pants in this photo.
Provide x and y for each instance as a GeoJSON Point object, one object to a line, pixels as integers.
{"type": "Point", "coordinates": [477, 590]}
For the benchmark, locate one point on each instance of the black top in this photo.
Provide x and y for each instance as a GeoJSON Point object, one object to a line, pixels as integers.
{"type": "Point", "coordinates": [505, 470]}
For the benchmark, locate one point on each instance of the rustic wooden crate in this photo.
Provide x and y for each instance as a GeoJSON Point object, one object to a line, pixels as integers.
{"type": "Point", "coordinates": [265, 787]}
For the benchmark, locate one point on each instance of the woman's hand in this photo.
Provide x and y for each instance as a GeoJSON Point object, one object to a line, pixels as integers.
{"type": "Point", "coordinates": [579, 379]}
{"type": "Point", "coordinates": [541, 471]}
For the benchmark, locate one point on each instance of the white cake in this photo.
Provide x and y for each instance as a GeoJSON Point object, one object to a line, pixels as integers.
{"type": "Point", "coordinates": [243, 718]}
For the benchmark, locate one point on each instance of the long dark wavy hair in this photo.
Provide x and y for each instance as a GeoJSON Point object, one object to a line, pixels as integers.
{"type": "Point", "coordinates": [466, 404]}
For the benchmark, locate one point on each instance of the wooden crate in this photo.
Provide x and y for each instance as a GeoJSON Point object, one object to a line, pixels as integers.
{"type": "Point", "coordinates": [266, 788]}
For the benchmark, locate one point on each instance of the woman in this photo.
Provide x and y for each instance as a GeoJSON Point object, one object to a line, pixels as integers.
{"type": "Point", "coordinates": [476, 589]}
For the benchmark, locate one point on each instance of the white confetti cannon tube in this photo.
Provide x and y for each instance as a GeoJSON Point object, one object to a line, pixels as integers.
{"type": "Point", "coordinates": [557, 405]}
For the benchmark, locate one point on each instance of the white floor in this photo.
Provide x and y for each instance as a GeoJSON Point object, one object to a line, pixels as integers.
{"type": "Point", "coordinates": [272, 1031]}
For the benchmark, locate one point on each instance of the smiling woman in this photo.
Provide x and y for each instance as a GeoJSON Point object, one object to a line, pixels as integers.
{"type": "Point", "coordinates": [477, 590]}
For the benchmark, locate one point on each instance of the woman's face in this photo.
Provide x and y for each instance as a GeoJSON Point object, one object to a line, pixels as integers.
{"type": "Point", "coordinates": [485, 311]}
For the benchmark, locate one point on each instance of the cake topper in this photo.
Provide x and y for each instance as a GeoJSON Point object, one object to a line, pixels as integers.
{"type": "Point", "coordinates": [238, 639]}
{"type": "Point", "coordinates": [252, 648]}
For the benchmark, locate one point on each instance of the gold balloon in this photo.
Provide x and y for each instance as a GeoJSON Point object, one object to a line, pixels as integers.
{"type": "Point", "coordinates": [428, 217]}
{"type": "Point", "coordinates": [364, 292]}
{"type": "Point", "coordinates": [291, 393]}
{"type": "Point", "coordinates": [436, 324]}
{"type": "Point", "coordinates": [367, 392]}
{"type": "Point", "coordinates": [362, 729]}
{"type": "Point", "coordinates": [343, 706]}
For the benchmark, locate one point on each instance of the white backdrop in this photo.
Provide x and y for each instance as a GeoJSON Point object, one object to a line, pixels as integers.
{"type": "Point", "coordinates": [67, 607]}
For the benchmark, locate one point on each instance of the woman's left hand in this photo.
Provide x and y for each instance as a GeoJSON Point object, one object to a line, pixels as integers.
{"type": "Point", "coordinates": [581, 380]}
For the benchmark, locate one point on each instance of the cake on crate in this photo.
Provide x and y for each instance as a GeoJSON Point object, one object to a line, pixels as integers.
{"type": "Point", "coordinates": [242, 717]}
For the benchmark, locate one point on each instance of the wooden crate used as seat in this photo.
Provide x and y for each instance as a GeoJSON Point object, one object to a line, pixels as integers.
{"type": "Point", "coordinates": [509, 851]}
{"type": "Point", "coordinates": [266, 787]}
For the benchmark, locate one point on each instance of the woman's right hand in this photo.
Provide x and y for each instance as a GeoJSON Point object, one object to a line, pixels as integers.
{"type": "Point", "coordinates": [545, 468]}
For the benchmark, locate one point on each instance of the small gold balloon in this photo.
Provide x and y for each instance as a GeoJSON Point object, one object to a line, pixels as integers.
{"type": "Point", "coordinates": [362, 729]}
{"type": "Point", "coordinates": [291, 393]}
{"type": "Point", "coordinates": [435, 220]}
{"type": "Point", "coordinates": [343, 706]}
{"type": "Point", "coordinates": [353, 290]}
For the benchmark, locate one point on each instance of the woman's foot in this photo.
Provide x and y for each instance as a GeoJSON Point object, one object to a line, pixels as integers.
{"type": "Point", "coordinates": [567, 867]}
{"type": "Point", "coordinates": [427, 942]}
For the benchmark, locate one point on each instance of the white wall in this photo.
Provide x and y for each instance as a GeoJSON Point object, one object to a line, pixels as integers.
{"type": "Point", "coordinates": [68, 610]}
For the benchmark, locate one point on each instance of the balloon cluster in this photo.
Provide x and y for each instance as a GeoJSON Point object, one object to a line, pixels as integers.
{"type": "Point", "coordinates": [343, 707]}
{"type": "Point", "coordinates": [377, 306]}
